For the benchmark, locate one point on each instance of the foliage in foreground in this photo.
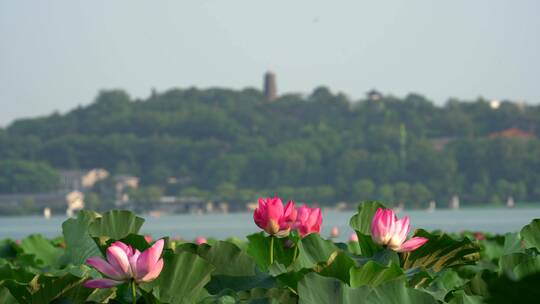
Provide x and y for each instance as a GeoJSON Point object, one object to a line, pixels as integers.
{"type": "Point", "coordinates": [447, 269]}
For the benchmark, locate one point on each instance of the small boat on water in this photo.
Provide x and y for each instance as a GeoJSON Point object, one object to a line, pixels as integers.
{"type": "Point", "coordinates": [334, 232]}
{"type": "Point", "coordinates": [432, 206]}
{"type": "Point", "coordinates": [155, 213]}
{"type": "Point", "coordinates": [47, 213]}
{"type": "Point", "coordinates": [510, 202]}
{"type": "Point", "coordinates": [454, 202]}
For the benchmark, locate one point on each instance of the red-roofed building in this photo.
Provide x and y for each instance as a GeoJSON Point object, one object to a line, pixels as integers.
{"type": "Point", "coordinates": [513, 133]}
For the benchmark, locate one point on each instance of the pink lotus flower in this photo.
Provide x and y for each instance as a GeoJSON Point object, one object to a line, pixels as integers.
{"type": "Point", "coordinates": [200, 240]}
{"type": "Point", "coordinates": [125, 264]}
{"type": "Point", "coordinates": [387, 230]}
{"type": "Point", "coordinates": [148, 238]}
{"type": "Point", "coordinates": [273, 218]}
{"type": "Point", "coordinates": [479, 236]}
{"type": "Point", "coordinates": [308, 220]}
{"type": "Point", "coordinates": [334, 232]}
{"type": "Point", "coordinates": [353, 237]}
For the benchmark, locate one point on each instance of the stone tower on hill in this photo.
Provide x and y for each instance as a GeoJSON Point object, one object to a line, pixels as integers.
{"type": "Point", "coordinates": [270, 89]}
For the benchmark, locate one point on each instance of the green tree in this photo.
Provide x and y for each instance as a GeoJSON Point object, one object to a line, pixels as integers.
{"type": "Point", "coordinates": [401, 191]}
{"type": "Point", "coordinates": [19, 176]}
{"type": "Point", "coordinates": [227, 191]}
{"type": "Point", "coordinates": [92, 201]}
{"type": "Point", "coordinates": [28, 205]}
{"type": "Point", "coordinates": [363, 190]}
{"type": "Point", "coordinates": [479, 193]}
{"type": "Point", "coordinates": [385, 193]}
{"type": "Point", "coordinates": [145, 198]}
{"type": "Point", "coordinates": [419, 195]}
{"type": "Point", "coordinates": [310, 148]}
{"type": "Point", "coordinates": [324, 194]}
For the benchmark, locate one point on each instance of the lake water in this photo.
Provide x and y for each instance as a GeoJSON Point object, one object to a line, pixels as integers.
{"type": "Point", "coordinates": [221, 226]}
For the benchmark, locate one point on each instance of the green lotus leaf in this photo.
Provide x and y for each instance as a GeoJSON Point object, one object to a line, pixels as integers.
{"type": "Point", "coordinates": [318, 289]}
{"type": "Point", "coordinates": [259, 249]}
{"type": "Point", "coordinates": [338, 266]}
{"type": "Point", "coordinates": [264, 295]}
{"type": "Point", "coordinates": [460, 297]}
{"type": "Point", "coordinates": [374, 274]}
{"type": "Point", "coordinates": [531, 234]}
{"type": "Point", "coordinates": [361, 221]}
{"type": "Point", "coordinates": [441, 251]}
{"type": "Point", "coordinates": [62, 288]}
{"type": "Point", "coordinates": [45, 254]}
{"type": "Point", "coordinates": [79, 244]}
{"type": "Point", "coordinates": [6, 297]}
{"type": "Point", "coordinates": [313, 250]}
{"type": "Point", "coordinates": [182, 280]}
{"type": "Point", "coordinates": [504, 290]}
{"type": "Point", "coordinates": [228, 259]}
{"type": "Point", "coordinates": [116, 224]}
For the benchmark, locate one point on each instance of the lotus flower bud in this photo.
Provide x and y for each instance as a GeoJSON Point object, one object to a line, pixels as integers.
{"type": "Point", "coordinates": [273, 218]}
{"type": "Point", "coordinates": [125, 264]}
{"type": "Point", "coordinates": [334, 233]}
{"type": "Point", "coordinates": [200, 240]}
{"type": "Point", "coordinates": [308, 220]}
{"type": "Point", "coordinates": [387, 230]}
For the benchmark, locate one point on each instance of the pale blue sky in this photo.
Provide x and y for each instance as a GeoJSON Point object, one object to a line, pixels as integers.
{"type": "Point", "coordinates": [55, 55]}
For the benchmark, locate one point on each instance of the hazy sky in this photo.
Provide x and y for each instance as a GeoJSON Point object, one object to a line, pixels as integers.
{"type": "Point", "coordinates": [55, 55]}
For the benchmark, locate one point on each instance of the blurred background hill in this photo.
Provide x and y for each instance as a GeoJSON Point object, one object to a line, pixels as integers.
{"type": "Point", "coordinates": [233, 145]}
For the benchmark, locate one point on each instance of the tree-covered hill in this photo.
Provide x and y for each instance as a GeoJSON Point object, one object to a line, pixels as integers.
{"type": "Point", "coordinates": [233, 145]}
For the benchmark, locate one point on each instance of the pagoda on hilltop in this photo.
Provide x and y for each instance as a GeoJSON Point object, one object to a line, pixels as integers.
{"type": "Point", "coordinates": [269, 86]}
